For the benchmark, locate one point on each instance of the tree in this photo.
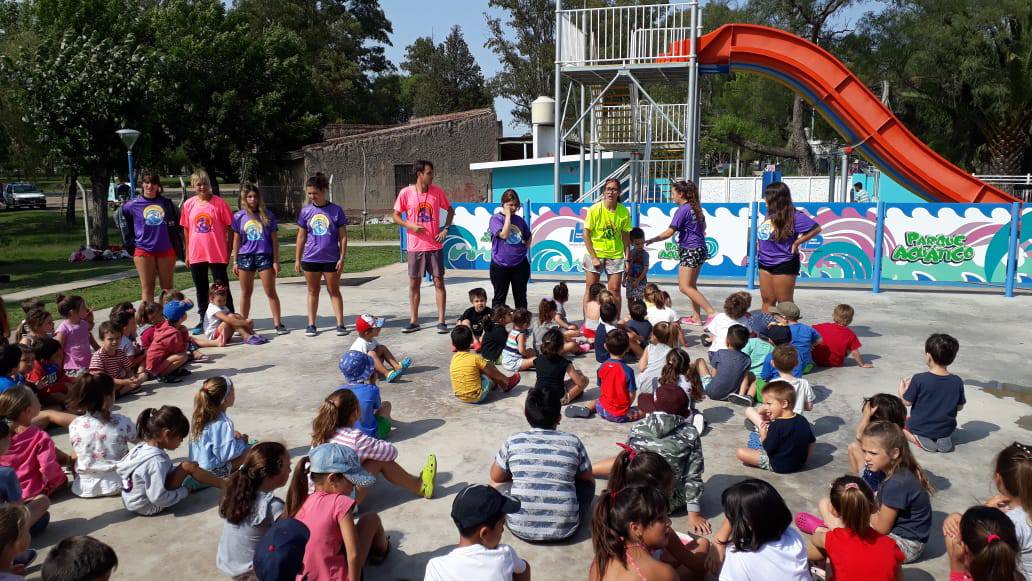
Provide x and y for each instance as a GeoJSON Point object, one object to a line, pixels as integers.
{"type": "Point", "coordinates": [80, 84]}
{"type": "Point", "coordinates": [450, 69]}
{"type": "Point", "coordinates": [962, 70]}
{"type": "Point", "coordinates": [525, 43]}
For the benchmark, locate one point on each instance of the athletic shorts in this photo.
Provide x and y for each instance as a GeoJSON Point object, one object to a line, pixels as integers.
{"type": "Point", "coordinates": [911, 549]}
{"type": "Point", "coordinates": [167, 253]}
{"type": "Point", "coordinates": [318, 266]}
{"type": "Point", "coordinates": [608, 265]}
{"type": "Point", "coordinates": [611, 417]}
{"type": "Point", "coordinates": [426, 261]}
{"type": "Point", "coordinates": [383, 427]}
{"type": "Point", "coordinates": [257, 262]}
{"type": "Point", "coordinates": [789, 267]}
{"type": "Point", "coordinates": [692, 257]}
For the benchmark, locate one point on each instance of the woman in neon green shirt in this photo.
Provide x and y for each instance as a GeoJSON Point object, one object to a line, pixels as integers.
{"type": "Point", "coordinates": [607, 230]}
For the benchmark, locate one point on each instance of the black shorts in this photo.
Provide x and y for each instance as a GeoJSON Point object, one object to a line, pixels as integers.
{"type": "Point", "coordinates": [255, 262]}
{"type": "Point", "coordinates": [789, 267]}
{"type": "Point", "coordinates": [692, 257]}
{"type": "Point", "coordinates": [318, 266]}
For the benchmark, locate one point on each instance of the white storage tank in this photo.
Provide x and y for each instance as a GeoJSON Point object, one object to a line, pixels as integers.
{"type": "Point", "coordinates": [542, 119]}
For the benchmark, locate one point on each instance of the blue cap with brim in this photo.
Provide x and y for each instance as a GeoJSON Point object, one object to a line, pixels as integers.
{"type": "Point", "coordinates": [338, 459]}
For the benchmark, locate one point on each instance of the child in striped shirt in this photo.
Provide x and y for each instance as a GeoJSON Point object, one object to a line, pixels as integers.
{"type": "Point", "coordinates": [113, 361]}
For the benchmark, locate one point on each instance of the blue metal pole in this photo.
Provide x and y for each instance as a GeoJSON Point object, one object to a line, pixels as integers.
{"type": "Point", "coordinates": [750, 271]}
{"type": "Point", "coordinates": [1012, 249]}
{"type": "Point", "coordinates": [879, 240]}
{"type": "Point", "coordinates": [634, 214]}
{"type": "Point", "coordinates": [527, 211]}
{"type": "Point", "coordinates": [132, 182]}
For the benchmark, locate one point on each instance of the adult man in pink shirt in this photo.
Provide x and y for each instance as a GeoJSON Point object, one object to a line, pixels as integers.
{"type": "Point", "coordinates": [422, 203]}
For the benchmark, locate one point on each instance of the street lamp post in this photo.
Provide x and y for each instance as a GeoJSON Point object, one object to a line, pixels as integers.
{"type": "Point", "coordinates": [129, 137]}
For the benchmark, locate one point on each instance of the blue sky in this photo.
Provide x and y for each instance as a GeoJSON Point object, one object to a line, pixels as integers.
{"type": "Point", "coordinates": [412, 20]}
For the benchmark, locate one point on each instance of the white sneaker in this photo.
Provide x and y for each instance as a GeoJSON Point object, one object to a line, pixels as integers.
{"type": "Point", "coordinates": [699, 422]}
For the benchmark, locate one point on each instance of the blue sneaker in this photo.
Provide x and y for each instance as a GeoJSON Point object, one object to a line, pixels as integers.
{"type": "Point", "coordinates": [406, 363]}
{"type": "Point", "coordinates": [310, 331]}
{"type": "Point", "coordinates": [198, 329]}
{"type": "Point", "coordinates": [394, 374]}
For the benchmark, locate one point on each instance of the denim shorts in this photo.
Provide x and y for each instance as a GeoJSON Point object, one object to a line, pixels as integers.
{"type": "Point", "coordinates": [609, 415]}
{"type": "Point", "coordinates": [255, 262]}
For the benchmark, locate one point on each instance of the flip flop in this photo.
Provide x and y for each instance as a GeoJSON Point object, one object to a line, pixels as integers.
{"type": "Point", "coordinates": [807, 523]}
{"type": "Point", "coordinates": [406, 363]}
{"type": "Point", "coordinates": [394, 374]}
{"type": "Point", "coordinates": [428, 475]}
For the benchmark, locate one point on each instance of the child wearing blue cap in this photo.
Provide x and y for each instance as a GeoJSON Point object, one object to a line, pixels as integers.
{"type": "Point", "coordinates": [327, 512]}
{"type": "Point", "coordinates": [167, 351]}
{"type": "Point", "coordinates": [360, 372]}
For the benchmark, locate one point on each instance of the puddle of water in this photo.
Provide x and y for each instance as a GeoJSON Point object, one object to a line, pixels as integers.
{"type": "Point", "coordinates": [1001, 390]}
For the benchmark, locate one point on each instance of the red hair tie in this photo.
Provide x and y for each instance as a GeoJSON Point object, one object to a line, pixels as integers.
{"type": "Point", "coordinates": [991, 538]}
{"type": "Point", "coordinates": [631, 452]}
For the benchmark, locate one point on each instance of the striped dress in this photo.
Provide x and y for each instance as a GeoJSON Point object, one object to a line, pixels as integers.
{"type": "Point", "coordinates": [544, 465]}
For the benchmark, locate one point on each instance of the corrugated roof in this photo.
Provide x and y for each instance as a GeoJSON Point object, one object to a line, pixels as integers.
{"type": "Point", "coordinates": [413, 123]}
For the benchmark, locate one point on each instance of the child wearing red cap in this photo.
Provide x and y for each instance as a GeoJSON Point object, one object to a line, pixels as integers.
{"type": "Point", "coordinates": [368, 328]}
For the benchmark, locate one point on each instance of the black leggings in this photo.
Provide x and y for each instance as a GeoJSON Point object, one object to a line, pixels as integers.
{"type": "Point", "coordinates": [199, 272]}
{"type": "Point", "coordinates": [503, 276]}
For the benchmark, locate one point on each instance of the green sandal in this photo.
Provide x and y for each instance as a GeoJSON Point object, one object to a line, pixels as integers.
{"type": "Point", "coordinates": [428, 476]}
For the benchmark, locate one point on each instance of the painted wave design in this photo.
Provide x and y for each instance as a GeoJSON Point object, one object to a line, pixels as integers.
{"type": "Point", "coordinates": [462, 250]}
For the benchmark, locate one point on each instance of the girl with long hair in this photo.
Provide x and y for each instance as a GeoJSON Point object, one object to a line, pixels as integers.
{"type": "Point", "coordinates": [256, 250]}
{"type": "Point", "coordinates": [206, 221]}
{"type": "Point", "coordinates": [154, 223]}
{"type": "Point", "coordinates": [779, 238]}
{"type": "Point", "coordinates": [322, 248]}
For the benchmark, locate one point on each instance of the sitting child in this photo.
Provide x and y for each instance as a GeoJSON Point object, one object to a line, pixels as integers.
{"type": "Point", "coordinates": [496, 335]}
{"type": "Point", "coordinates": [608, 313]}
{"type": "Point", "coordinates": [804, 338]}
{"type": "Point", "coordinates": [47, 375]}
{"type": "Point", "coordinates": [783, 361]}
{"type": "Point", "coordinates": [557, 373]}
{"type": "Point", "coordinates": [10, 490]}
{"type": "Point", "coordinates": [658, 305]}
{"type": "Point", "coordinates": [74, 334]}
{"type": "Point", "coordinates": [546, 321]}
{"type": "Point", "coordinates": [561, 295]}
{"type": "Point", "coordinates": [479, 513]}
{"type": "Point", "coordinates": [665, 337]}
{"type": "Point", "coordinates": [623, 550]}
{"type": "Point", "coordinates": [320, 497]}
{"type": "Point", "coordinates": [14, 540]}
{"type": "Point", "coordinates": [854, 549]}
{"type": "Point", "coordinates": [638, 323]}
{"type": "Point", "coordinates": [757, 540]}
{"type": "Point", "coordinates": [80, 557]}
{"type": "Point", "coordinates": [125, 322]}
{"type": "Point", "coordinates": [10, 360]}
{"type": "Point", "coordinates": [550, 473]}
{"type": "Point", "coordinates": [111, 360]}
{"type": "Point", "coordinates": [38, 324]}
{"type": "Point", "coordinates": [375, 419]}
{"type": "Point", "coordinates": [33, 455]}
{"type": "Point", "coordinates": [838, 340]}
{"type": "Point", "coordinates": [166, 353]}
{"type": "Point", "coordinates": [591, 311]}
{"type": "Point", "coordinates": [517, 356]}
{"type": "Point", "coordinates": [736, 312]}
{"type": "Point", "coordinates": [215, 445]}
{"type": "Point", "coordinates": [148, 317]}
{"type": "Point", "coordinates": [786, 438]}
{"type": "Point", "coordinates": [680, 373]}
{"type": "Point", "coordinates": [934, 397]}
{"type": "Point", "coordinates": [880, 407]}
{"type": "Point", "coordinates": [335, 424]}
{"type": "Point", "coordinates": [725, 376]}
{"type": "Point", "coordinates": [472, 376]}
{"type": "Point", "coordinates": [250, 506]}
{"type": "Point", "coordinates": [150, 483]}
{"type": "Point", "coordinates": [616, 385]}
{"type": "Point", "coordinates": [99, 438]}
{"type": "Point", "coordinates": [985, 547]}
{"type": "Point", "coordinates": [220, 323]}
{"type": "Point", "coordinates": [763, 370]}
{"type": "Point", "coordinates": [368, 328]}
{"type": "Point", "coordinates": [477, 317]}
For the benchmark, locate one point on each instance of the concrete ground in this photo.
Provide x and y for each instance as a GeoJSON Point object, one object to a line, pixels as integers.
{"type": "Point", "coordinates": [280, 385]}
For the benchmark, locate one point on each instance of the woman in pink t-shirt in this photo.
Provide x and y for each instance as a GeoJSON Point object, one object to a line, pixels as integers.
{"type": "Point", "coordinates": [206, 220]}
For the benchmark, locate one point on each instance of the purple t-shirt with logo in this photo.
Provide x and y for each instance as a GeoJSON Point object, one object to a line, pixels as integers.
{"type": "Point", "coordinates": [255, 237]}
{"type": "Point", "coordinates": [774, 252]}
{"type": "Point", "coordinates": [151, 219]}
{"type": "Point", "coordinates": [691, 233]}
{"type": "Point", "coordinates": [513, 250]}
{"type": "Point", "coordinates": [322, 224]}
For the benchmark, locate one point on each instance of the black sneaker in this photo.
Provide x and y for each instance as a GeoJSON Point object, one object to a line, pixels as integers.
{"type": "Point", "coordinates": [577, 411]}
{"type": "Point", "coordinates": [411, 328]}
{"type": "Point", "coordinates": [310, 331]}
{"type": "Point", "coordinates": [442, 328]}
{"type": "Point", "coordinates": [281, 329]}
{"type": "Point", "coordinates": [342, 330]}
{"type": "Point", "coordinates": [739, 399]}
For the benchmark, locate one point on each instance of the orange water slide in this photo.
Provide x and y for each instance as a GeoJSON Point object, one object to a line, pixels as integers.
{"type": "Point", "coordinates": [846, 102]}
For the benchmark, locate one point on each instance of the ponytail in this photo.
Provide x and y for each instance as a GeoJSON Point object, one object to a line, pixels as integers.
{"type": "Point", "coordinates": [1014, 467]}
{"type": "Point", "coordinates": [612, 517]}
{"type": "Point", "coordinates": [297, 492]}
{"type": "Point", "coordinates": [640, 468]}
{"type": "Point", "coordinates": [854, 501]}
{"type": "Point", "coordinates": [334, 413]}
{"type": "Point", "coordinates": [989, 536]}
{"type": "Point", "coordinates": [208, 403]}
{"type": "Point", "coordinates": [151, 422]}
{"type": "Point", "coordinates": [264, 460]}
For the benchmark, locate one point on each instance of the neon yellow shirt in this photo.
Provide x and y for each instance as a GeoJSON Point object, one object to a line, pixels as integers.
{"type": "Point", "coordinates": [606, 228]}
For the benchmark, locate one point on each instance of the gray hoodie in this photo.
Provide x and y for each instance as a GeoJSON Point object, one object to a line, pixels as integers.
{"type": "Point", "coordinates": [143, 471]}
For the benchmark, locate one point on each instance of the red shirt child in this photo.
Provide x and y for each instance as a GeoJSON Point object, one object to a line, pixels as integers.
{"type": "Point", "coordinates": [838, 340]}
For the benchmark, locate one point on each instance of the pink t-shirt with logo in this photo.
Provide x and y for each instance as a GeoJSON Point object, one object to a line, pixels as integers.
{"type": "Point", "coordinates": [207, 224]}
{"type": "Point", "coordinates": [425, 210]}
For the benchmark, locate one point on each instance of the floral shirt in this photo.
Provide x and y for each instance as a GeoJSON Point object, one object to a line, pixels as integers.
{"type": "Point", "coordinates": [99, 446]}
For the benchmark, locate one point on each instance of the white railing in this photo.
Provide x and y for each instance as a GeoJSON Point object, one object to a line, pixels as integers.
{"type": "Point", "coordinates": [616, 125]}
{"type": "Point", "coordinates": [621, 173]}
{"type": "Point", "coordinates": [1019, 186]}
{"type": "Point", "coordinates": [624, 35]}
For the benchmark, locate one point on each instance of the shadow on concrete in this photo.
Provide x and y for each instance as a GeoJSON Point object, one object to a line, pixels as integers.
{"type": "Point", "coordinates": [713, 489]}
{"type": "Point", "coordinates": [406, 430]}
{"type": "Point", "coordinates": [820, 393]}
{"type": "Point", "coordinates": [827, 425]}
{"type": "Point", "coordinates": [718, 415]}
{"type": "Point", "coordinates": [864, 331]}
{"type": "Point", "coordinates": [67, 527]}
{"type": "Point", "coordinates": [242, 371]}
{"type": "Point", "coordinates": [912, 574]}
{"type": "Point", "coordinates": [403, 567]}
{"type": "Point", "coordinates": [973, 431]}
{"type": "Point", "coordinates": [936, 546]}
{"type": "Point", "coordinates": [822, 455]}
{"type": "Point", "coordinates": [197, 502]}
{"type": "Point", "coordinates": [939, 483]}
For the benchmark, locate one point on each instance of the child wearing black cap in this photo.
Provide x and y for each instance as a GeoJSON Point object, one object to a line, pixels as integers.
{"type": "Point", "coordinates": [479, 513]}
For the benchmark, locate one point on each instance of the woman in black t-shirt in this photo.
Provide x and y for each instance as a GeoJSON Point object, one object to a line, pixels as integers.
{"type": "Point", "coordinates": [553, 369]}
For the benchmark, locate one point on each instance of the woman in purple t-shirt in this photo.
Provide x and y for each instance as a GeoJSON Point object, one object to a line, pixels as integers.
{"type": "Point", "coordinates": [153, 220]}
{"type": "Point", "coordinates": [689, 224]}
{"type": "Point", "coordinates": [779, 237]}
{"type": "Point", "coordinates": [510, 239]}
{"type": "Point", "coordinates": [256, 249]}
{"type": "Point", "coordinates": [322, 247]}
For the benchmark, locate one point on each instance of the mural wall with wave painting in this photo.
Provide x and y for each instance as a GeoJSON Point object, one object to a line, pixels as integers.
{"type": "Point", "coordinates": [946, 242]}
{"type": "Point", "coordinates": [557, 232]}
{"type": "Point", "coordinates": [727, 239]}
{"type": "Point", "coordinates": [844, 250]}
{"type": "Point", "coordinates": [1024, 272]}
{"type": "Point", "coordinates": [468, 245]}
